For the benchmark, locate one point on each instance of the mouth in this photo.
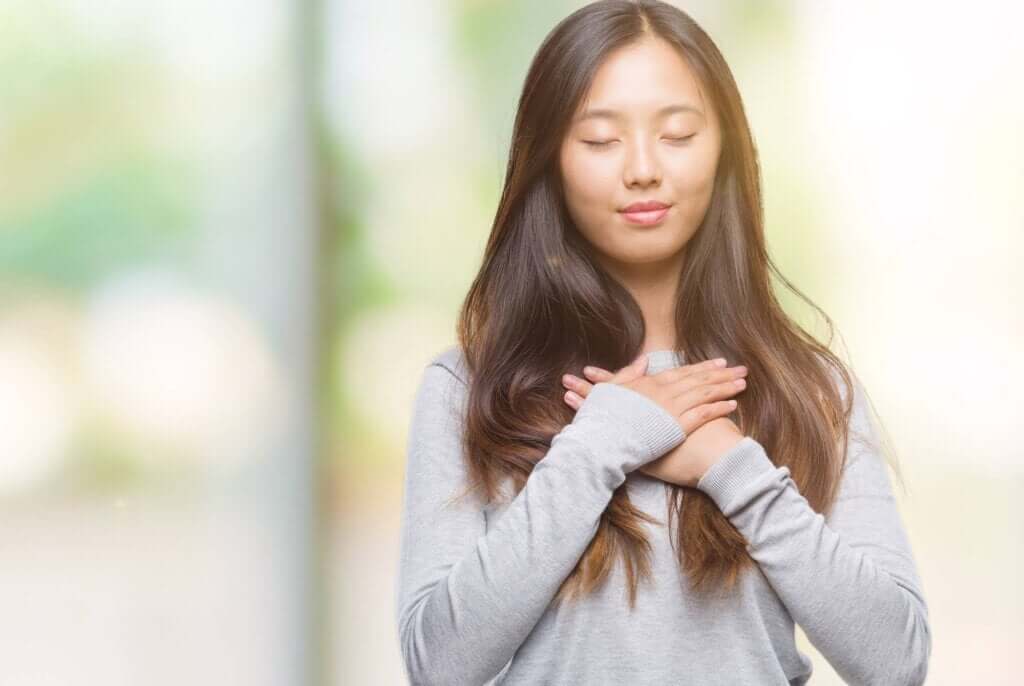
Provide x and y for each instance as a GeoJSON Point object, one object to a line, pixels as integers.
{"type": "Point", "coordinates": [646, 217]}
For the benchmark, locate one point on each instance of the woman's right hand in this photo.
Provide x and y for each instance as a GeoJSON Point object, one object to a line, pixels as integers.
{"type": "Point", "coordinates": [694, 394]}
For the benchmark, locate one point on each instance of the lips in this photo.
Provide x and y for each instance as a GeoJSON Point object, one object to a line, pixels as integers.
{"type": "Point", "coordinates": [646, 217]}
{"type": "Point", "coordinates": [645, 206]}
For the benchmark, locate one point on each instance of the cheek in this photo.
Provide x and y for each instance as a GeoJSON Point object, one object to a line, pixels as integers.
{"type": "Point", "coordinates": [695, 186]}
{"type": "Point", "coordinates": [693, 176]}
{"type": "Point", "coordinates": [587, 180]}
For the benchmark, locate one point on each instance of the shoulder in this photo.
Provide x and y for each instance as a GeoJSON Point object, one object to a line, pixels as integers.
{"type": "Point", "coordinates": [443, 382]}
{"type": "Point", "coordinates": [835, 370]}
{"type": "Point", "coordinates": [453, 361]}
{"type": "Point", "coordinates": [863, 424]}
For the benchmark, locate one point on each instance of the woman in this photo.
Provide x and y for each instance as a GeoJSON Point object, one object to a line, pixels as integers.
{"type": "Point", "coordinates": [538, 544]}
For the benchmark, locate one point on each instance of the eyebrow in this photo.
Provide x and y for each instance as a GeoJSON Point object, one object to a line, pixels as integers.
{"type": "Point", "coordinates": [606, 113]}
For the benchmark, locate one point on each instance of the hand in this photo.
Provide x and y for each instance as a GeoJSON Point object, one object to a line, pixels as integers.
{"type": "Point", "coordinates": [691, 393]}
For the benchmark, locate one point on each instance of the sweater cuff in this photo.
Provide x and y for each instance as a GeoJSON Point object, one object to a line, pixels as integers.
{"type": "Point", "coordinates": [734, 471]}
{"type": "Point", "coordinates": [656, 428]}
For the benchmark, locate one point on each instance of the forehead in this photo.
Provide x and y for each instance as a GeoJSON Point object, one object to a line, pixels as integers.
{"type": "Point", "coordinates": [646, 79]}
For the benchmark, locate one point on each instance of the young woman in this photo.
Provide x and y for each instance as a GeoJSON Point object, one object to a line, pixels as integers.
{"type": "Point", "coordinates": [635, 468]}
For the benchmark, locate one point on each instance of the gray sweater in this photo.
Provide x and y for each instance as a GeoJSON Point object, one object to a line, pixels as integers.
{"type": "Point", "coordinates": [475, 584]}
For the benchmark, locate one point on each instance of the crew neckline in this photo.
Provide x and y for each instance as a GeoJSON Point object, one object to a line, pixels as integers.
{"type": "Point", "coordinates": [663, 359]}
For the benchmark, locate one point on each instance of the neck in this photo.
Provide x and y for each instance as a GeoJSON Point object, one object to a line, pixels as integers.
{"type": "Point", "coordinates": [653, 286]}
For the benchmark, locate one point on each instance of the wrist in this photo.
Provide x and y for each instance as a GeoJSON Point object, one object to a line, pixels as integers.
{"type": "Point", "coordinates": [716, 452]}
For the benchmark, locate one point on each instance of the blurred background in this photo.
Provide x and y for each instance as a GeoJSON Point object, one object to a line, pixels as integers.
{"type": "Point", "coordinates": [232, 234]}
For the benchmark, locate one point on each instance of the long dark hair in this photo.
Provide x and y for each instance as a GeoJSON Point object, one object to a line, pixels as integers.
{"type": "Point", "coordinates": [542, 306]}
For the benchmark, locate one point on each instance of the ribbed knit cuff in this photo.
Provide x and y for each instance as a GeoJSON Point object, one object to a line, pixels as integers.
{"type": "Point", "coordinates": [658, 430]}
{"type": "Point", "coordinates": [736, 469]}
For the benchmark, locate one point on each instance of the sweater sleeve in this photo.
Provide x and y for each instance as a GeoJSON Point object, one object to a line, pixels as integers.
{"type": "Point", "coordinates": [849, 580]}
{"type": "Point", "coordinates": [466, 596]}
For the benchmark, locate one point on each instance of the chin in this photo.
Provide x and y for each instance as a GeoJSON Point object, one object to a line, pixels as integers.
{"type": "Point", "coordinates": [667, 246]}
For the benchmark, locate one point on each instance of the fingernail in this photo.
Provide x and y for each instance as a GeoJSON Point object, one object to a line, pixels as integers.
{"type": "Point", "coordinates": [720, 362]}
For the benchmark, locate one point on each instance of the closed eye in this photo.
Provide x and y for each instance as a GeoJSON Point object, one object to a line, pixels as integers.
{"type": "Point", "coordinates": [604, 144]}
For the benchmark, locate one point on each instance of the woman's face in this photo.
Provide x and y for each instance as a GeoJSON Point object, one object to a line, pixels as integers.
{"type": "Point", "coordinates": [644, 132]}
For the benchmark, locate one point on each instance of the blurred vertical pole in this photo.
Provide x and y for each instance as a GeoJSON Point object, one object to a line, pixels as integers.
{"type": "Point", "coordinates": [310, 41]}
{"type": "Point", "coordinates": [311, 664]}
{"type": "Point", "coordinates": [286, 284]}
{"type": "Point", "coordinates": [265, 244]}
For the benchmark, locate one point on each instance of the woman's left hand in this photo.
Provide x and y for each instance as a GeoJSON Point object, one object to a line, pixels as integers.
{"type": "Point", "coordinates": [685, 464]}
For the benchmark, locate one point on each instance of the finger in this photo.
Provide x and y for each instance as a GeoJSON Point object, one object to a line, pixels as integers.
{"type": "Point", "coordinates": [696, 417]}
{"type": "Point", "coordinates": [573, 400]}
{"type": "Point", "coordinates": [633, 370]}
{"type": "Point", "coordinates": [575, 383]}
{"type": "Point", "coordinates": [709, 392]}
{"type": "Point", "coordinates": [699, 375]}
{"type": "Point", "coordinates": [705, 365]}
{"type": "Point", "coordinates": [676, 373]}
{"type": "Point", "coordinates": [596, 374]}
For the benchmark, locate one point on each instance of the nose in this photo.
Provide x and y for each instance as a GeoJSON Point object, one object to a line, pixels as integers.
{"type": "Point", "coordinates": [641, 166]}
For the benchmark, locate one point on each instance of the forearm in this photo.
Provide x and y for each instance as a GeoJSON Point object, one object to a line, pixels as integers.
{"type": "Point", "coordinates": [463, 614]}
{"type": "Point", "coordinates": [860, 606]}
